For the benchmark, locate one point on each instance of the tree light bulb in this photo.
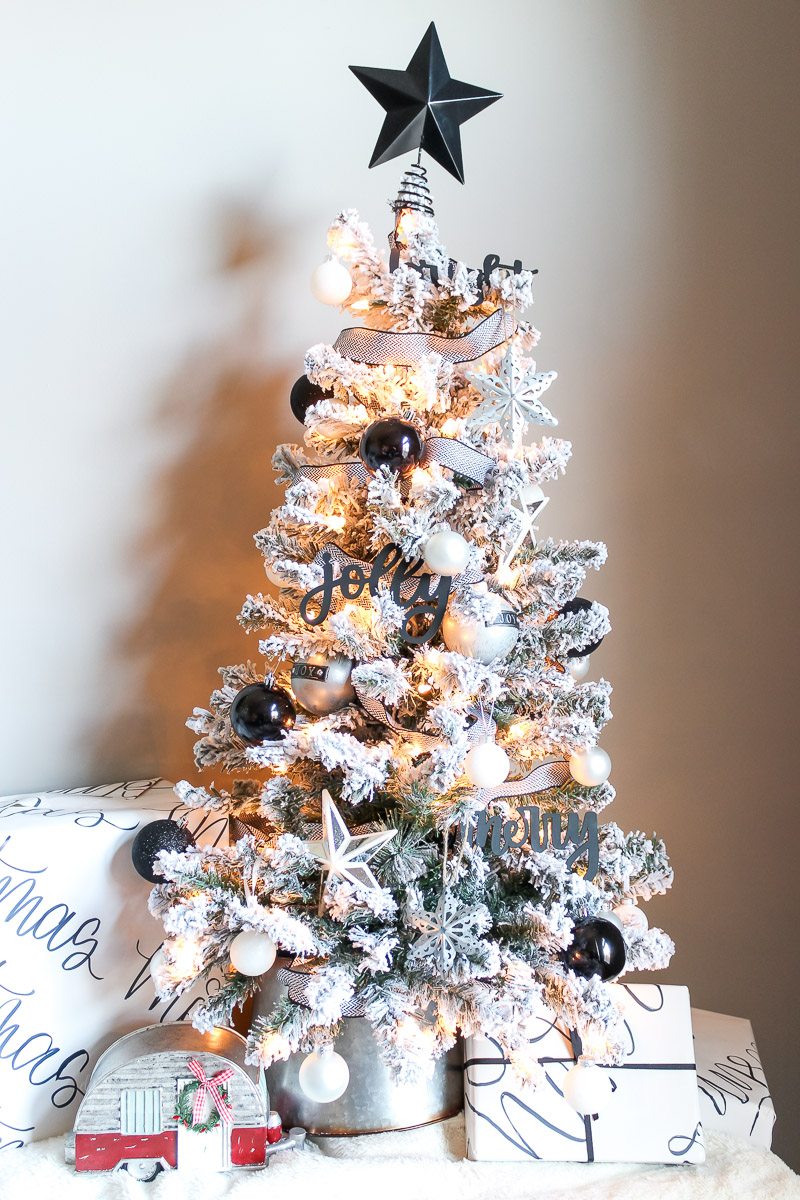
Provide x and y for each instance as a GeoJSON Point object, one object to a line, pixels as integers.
{"type": "Point", "coordinates": [407, 223]}
{"type": "Point", "coordinates": [507, 576]}
{"type": "Point", "coordinates": [360, 306]}
{"type": "Point", "coordinates": [341, 241]}
{"type": "Point", "coordinates": [450, 427]}
{"type": "Point", "coordinates": [185, 958]}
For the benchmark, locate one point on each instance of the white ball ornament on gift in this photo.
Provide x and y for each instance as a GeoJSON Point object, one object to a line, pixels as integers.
{"type": "Point", "coordinates": [324, 1076]}
{"type": "Point", "coordinates": [587, 1089]}
{"type": "Point", "coordinates": [331, 282]}
{"type": "Point", "coordinates": [590, 766]}
{"type": "Point", "coordinates": [322, 684]}
{"type": "Point", "coordinates": [578, 667]}
{"type": "Point", "coordinates": [252, 953]}
{"type": "Point", "coordinates": [486, 765]}
{"type": "Point", "coordinates": [631, 917]}
{"type": "Point", "coordinates": [482, 640]}
{"type": "Point", "coordinates": [446, 553]}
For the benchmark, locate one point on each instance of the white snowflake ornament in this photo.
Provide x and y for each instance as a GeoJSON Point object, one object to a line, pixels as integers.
{"type": "Point", "coordinates": [450, 930]}
{"type": "Point", "coordinates": [345, 855]}
{"type": "Point", "coordinates": [512, 396]}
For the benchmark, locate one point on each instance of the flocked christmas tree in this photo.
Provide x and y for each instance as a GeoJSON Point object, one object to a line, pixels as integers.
{"type": "Point", "coordinates": [426, 838]}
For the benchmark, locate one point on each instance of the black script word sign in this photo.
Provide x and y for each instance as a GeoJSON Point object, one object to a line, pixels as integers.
{"type": "Point", "coordinates": [490, 263]}
{"type": "Point", "coordinates": [539, 830]}
{"type": "Point", "coordinates": [416, 593]}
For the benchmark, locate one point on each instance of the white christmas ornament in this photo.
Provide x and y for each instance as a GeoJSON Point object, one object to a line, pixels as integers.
{"type": "Point", "coordinates": [608, 914]}
{"type": "Point", "coordinates": [578, 667]}
{"type": "Point", "coordinates": [486, 765]}
{"type": "Point", "coordinates": [531, 492]}
{"type": "Point", "coordinates": [486, 639]}
{"type": "Point", "coordinates": [331, 282]}
{"type": "Point", "coordinates": [511, 397]}
{"type": "Point", "coordinates": [343, 855]}
{"type": "Point", "coordinates": [252, 953]}
{"type": "Point", "coordinates": [157, 963]}
{"type": "Point", "coordinates": [587, 1089]}
{"type": "Point", "coordinates": [324, 1076]}
{"type": "Point", "coordinates": [631, 917]}
{"type": "Point", "coordinates": [446, 553]}
{"type": "Point", "coordinates": [449, 931]}
{"type": "Point", "coordinates": [590, 766]}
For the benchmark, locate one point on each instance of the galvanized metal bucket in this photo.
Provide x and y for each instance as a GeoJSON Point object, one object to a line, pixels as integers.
{"type": "Point", "coordinates": [372, 1102]}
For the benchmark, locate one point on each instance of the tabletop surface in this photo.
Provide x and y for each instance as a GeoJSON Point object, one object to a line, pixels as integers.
{"type": "Point", "coordinates": [416, 1165]}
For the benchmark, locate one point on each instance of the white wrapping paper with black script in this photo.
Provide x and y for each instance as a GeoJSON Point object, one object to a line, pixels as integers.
{"type": "Point", "coordinates": [76, 941]}
{"type": "Point", "coordinates": [653, 1114]}
{"type": "Point", "coordinates": [734, 1095]}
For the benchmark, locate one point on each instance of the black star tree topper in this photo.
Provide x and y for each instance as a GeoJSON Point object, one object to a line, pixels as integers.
{"type": "Point", "coordinates": [424, 106]}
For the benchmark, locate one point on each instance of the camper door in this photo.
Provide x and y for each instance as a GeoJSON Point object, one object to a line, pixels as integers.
{"type": "Point", "coordinates": [210, 1151]}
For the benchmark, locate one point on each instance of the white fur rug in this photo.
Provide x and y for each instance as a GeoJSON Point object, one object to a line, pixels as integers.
{"type": "Point", "coordinates": [423, 1164]}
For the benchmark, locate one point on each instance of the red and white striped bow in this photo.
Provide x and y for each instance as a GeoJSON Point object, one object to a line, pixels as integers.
{"type": "Point", "coordinates": [210, 1087]}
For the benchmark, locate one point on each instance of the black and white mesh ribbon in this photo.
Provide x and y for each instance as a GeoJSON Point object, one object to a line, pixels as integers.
{"type": "Point", "coordinates": [382, 348]}
{"type": "Point", "coordinates": [483, 727]}
{"type": "Point", "coordinates": [463, 460]}
{"type": "Point", "coordinates": [540, 779]}
{"type": "Point", "coordinates": [297, 983]}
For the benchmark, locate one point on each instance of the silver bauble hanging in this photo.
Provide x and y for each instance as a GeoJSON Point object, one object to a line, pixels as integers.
{"type": "Point", "coordinates": [484, 640]}
{"type": "Point", "coordinates": [321, 684]}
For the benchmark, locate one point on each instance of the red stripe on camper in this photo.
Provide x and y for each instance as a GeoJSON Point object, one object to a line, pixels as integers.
{"type": "Point", "coordinates": [102, 1151]}
{"type": "Point", "coordinates": [248, 1146]}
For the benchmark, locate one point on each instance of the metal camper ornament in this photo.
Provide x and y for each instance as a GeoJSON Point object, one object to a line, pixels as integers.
{"type": "Point", "coordinates": [168, 1097]}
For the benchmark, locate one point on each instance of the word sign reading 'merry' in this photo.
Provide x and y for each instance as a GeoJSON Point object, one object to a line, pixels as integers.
{"type": "Point", "coordinates": [76, 940]}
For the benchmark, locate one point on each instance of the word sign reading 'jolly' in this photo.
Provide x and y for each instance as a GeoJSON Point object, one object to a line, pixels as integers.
{"type": "Point", "coordinates": [421, 595]}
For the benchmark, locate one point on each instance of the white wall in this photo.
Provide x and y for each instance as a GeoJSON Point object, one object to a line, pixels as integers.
{"type": "Point", "coordinates": [170, 169]}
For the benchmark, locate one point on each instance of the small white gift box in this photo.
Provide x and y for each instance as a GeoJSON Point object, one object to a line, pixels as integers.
{"type": "Point", "coordinates": [734, 1096]}
{"type": "Point", "coordinates": [653, 1115]}
{"type": "Point", "coordinates": [77, 940]}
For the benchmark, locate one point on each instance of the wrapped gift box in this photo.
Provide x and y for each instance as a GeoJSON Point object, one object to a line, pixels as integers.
{"type": "Point", "coordinates": [734, 1096]}
{"type": "Point", "coordinates": [653, 1115]}
{"type": "Point", "coordinates": [77, 940]}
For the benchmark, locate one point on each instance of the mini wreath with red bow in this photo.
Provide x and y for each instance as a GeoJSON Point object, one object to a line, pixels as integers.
{"type": "Point", "coordinates": [191, 1100]}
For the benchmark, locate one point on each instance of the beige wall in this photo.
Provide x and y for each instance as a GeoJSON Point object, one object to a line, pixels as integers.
{"type": "Point", "coordinates": [170, 170]}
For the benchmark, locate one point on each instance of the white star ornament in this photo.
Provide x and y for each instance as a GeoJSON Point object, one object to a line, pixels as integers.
{"type": "Point", "coordinates": [345, 855]}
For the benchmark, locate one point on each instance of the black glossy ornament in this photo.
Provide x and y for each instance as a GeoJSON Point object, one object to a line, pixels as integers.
{"type": "Point", "coordinates": [424, 106]}
{"type": "Point", "coordinates": [575, 606]}
{"type": "Point", "coordinates": [304, 393]}
{"type": "Point", "coordinates": [598, 948]}
{"type": "Point", "coordinates": [151, 840]}
{"type": "Point", "coordinates": [391, 443]}
{"type": "Point", "coordinates": [262, 712]}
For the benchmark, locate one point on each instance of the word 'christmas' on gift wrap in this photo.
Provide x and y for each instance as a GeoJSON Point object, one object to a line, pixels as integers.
{"type": "Point", "coordinates": [539, 830]}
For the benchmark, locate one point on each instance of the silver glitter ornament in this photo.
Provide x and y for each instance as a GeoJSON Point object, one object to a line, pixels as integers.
{"type": "Point", "coordinates": [321, 684]}
{"type": "Point", "coordinates": [484, 640]}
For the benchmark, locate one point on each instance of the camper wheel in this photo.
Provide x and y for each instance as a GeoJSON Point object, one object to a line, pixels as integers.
{"type": "Point", "coordinates": [143, 1169]}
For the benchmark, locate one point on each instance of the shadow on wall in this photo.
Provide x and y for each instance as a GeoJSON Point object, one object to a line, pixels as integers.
{"type": "Point", "coordinates": [229, 413]}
